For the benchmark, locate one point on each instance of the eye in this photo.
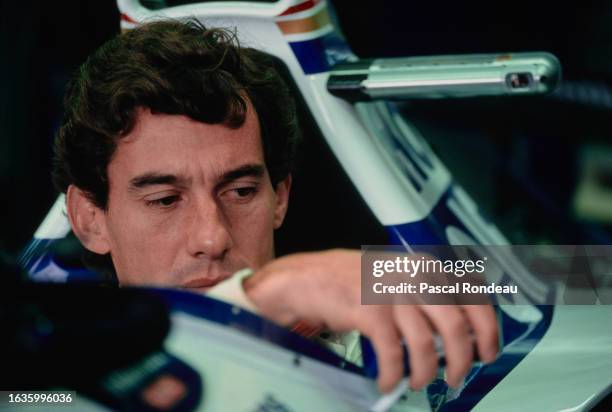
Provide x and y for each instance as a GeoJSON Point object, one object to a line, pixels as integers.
{"type": "Point", "coordinates": [240, 194]}
{"type": "Point", "coordinates": [244, 191]}
{"type": "Point", "coordinates": [164, 202]}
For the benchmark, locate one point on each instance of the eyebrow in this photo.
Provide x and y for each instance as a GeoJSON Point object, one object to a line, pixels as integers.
{"type": "Point", "coordinates": [154, 178]}
{"type": "Point", "coordinates": [249, 170]}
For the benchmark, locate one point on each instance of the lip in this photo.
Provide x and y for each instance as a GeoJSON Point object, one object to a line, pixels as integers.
{"type": "Point", "coordinates": [199, 283]}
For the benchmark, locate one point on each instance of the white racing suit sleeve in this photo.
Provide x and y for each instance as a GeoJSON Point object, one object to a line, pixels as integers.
{"type": "Point", "coordinates": [232, 292]}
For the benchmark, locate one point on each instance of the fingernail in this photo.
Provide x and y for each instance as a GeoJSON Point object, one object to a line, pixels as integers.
{"type": "Point", "coordinates": [452, 383]}
{"type": "Point", "coordinates": [490, 356]}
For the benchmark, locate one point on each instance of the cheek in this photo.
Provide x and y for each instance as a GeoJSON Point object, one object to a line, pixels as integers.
{"type": "Point", "coordinates": [142, 246]}
{"type": "Point", "coordinates": [134, 220]}
{"type": "Point", "coordinates": [252, 229]}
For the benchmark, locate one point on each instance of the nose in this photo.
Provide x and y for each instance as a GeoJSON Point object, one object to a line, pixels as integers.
{"type": "Point", "coordinates": [208, 231]}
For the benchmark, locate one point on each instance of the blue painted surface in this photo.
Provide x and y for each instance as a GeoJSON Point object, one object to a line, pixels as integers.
{"type": "Point", "coordinates": [320, 54]}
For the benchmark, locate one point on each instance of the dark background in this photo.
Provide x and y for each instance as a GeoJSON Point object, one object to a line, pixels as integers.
{"type": "Point", "coordinates": [491, 146]}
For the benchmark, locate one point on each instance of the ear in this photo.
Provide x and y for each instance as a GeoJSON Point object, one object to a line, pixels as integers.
{"type": "Point", "coordinates": [282, 190]}
{"type": "Point", "coordinates": [87, 221]}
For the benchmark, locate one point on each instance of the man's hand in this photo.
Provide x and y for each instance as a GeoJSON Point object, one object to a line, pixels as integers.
{"type": "Point", "coordinates": [324, 289]}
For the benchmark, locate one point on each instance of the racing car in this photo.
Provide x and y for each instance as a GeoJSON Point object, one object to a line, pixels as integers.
{"type": "Point", "coordinates": [379, 166]}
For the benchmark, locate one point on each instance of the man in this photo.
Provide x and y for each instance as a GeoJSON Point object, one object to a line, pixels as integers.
{"type": "Point", "coordinates": [175, 155]}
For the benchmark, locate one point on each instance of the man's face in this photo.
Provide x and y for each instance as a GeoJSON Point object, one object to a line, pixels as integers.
{"type": "Point", "coordinates": [190, 203]}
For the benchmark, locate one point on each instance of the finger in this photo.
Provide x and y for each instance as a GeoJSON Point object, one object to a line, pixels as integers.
{"type": "Point", "coordinates": [266, 292]}
{"type": "Point", "coordinates": [484, 324]}
{"type": "Point", "coordinates": [454, 328]}
{"type": "Point", "coordinates": [419, 336]}
{"type": "Point", "coordinates": [387, 345]}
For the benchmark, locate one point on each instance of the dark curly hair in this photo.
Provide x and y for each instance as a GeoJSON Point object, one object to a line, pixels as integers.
{"type": "Point", "coordinates": [170, 67]}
